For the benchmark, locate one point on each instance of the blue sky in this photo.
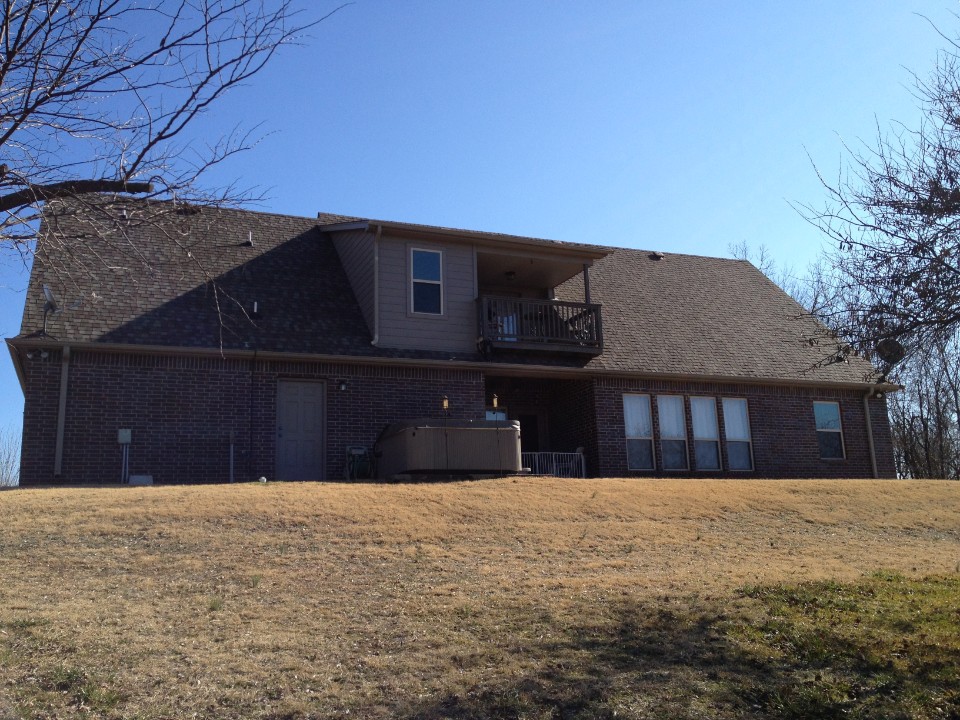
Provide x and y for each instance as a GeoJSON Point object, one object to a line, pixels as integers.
{"type": "Point", "coordinates": [680, 126]}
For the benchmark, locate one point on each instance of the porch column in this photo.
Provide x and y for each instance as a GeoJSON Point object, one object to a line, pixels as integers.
{"type": "Point", "coordinates": [586, 283]}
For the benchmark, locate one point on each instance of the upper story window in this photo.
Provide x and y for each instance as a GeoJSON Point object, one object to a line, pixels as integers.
{"type": "Point", "coordinates": [829, 430]}
{"type": "Point", "coordinates": [426, 281]}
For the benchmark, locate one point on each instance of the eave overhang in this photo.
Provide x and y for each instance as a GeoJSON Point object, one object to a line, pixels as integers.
{"type": "Point", "coordinates": [494, 241]}
{"type": "Point", "coordinates": [489, 368]}
{"type": "Point", "coordinates": [17, 366]}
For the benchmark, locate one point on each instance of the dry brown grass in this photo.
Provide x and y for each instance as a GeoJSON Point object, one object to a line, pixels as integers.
{"type": "Point", "coordinates": [418, 600]}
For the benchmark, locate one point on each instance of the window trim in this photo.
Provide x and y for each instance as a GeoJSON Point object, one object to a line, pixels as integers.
{"type": "Point", "coordinates": [653, 444]}
{"type": "Point", "coordinates": [749, 441]}
{"type": "Point", "coordinates": [413, 282]}
{"type": "Point", "coordinates": [684, 438]}
{"type": "Point", "coordinates": [715, 440]}
{"type": "Point", "coordinates": [839, 430]}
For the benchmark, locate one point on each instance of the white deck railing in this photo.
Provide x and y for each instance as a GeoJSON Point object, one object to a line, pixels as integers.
{"type": "Point", "coordinates": [557, 464]}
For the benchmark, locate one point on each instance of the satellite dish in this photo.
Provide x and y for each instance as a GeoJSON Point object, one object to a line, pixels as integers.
{"type": "Point", "coordinates": [51, 300]}
{"type": "Point", "coordinates": [50, 306]}
{"type": "Point", "coordinates": [890, 351]}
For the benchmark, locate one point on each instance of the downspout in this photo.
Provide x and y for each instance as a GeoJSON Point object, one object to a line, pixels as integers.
{"type": "Point", "coordinates": [252, 456]}
{"type": "Point", "coordinates": [376, 286]}
{"type": "Point", "coordinates": [866, 416]}
{"type": "Point", "coordinates": [62, 410]}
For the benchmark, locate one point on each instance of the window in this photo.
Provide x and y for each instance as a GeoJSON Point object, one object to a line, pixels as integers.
{"type": "Point", "coordinates": [426, 281]}
{"type": "Point", "coordinates": [736, 428]}
{"type": "Point", "coordinates": [673, 432]}
{"type": "Point", "coordinates": [706, 434]}
{"type": "Point", "coordinates": [829, 431]}
{"type": "Point", "coordinates": [639, 430]}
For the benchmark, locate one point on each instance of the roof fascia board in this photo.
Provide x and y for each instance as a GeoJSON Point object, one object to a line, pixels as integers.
{"type": "Point", "coordinates": [17, 364]}
{"type": "Point", "coordinates": [509, 369]}
{"type": "Point", "coordinates": [493, 240]}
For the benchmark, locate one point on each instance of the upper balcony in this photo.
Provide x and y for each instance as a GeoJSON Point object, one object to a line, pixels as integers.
{"type": "Point", "coordinates": [549, 325]}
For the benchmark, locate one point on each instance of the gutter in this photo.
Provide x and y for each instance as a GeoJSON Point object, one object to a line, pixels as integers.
{"type": "Point", "coordinates": [453, 363]}
{"type": "Point", "coordinates": [62, 410]}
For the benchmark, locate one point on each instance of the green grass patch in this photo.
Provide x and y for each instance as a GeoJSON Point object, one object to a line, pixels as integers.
{"type": "Point", "coordinates": [86, 692]}
{"type": "Point", "coordinates": [885, 647]}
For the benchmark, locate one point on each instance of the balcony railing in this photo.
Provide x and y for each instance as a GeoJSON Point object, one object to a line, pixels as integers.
{"type": "Point", "coordinates": [525, 324]}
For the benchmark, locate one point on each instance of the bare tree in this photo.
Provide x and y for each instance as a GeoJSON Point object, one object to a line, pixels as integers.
{"type": "Point", "coordinates": [813, 289]}
{"type": "Point", "coordinates": [9, 457]}
{"type": "Point", "coordinates": [924, 415]}
{"type": "Point", "coordinates": [894, 214]}
{"type": "Point", "coordinates": [96, 96]}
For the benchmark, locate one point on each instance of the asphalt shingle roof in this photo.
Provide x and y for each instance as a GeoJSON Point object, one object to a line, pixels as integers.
{"type": "Point", "coordinates": [190, 285]}
{"type": "Point", "coordinates": [693, 315]}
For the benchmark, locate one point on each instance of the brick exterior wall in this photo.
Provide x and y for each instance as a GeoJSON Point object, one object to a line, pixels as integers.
{"type": "Point", "coordinates": [782, 426]}
{"type": "Point", "coordinates": [182, 410]}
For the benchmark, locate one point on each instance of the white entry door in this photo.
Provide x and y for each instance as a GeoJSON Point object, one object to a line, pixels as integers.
{"type": "Point", "coordinates": [300, 430]}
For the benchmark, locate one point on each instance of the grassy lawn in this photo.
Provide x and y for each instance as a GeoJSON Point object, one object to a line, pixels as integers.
{"type": "Point", "coordinates": [534, 598]}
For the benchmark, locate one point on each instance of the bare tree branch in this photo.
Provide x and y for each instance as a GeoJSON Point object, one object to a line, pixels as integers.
{"type": "Point", "coordinates": [98, 95]}
{"type": "Point", "coordinates": [894, 216]}
{"type": "Point", "coordinates": [43, 193]}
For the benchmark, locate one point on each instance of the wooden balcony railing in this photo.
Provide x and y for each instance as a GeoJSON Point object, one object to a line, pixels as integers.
{"type": "Point", "coordinates": [525, 324]}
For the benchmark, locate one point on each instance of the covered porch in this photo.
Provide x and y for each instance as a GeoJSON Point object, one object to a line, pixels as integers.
{"type": "Point", "coordinates": [557, 421]}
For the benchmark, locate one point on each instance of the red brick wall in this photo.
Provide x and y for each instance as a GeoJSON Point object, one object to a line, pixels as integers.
{"type": "Point", "coordinates": [41, 395]}
{"type": "Point", "coordinates": [181, 412]}
{"type": "Point", "coordinates": [574, 421]}
{"type": "Point", "coordinates": [781, 423]}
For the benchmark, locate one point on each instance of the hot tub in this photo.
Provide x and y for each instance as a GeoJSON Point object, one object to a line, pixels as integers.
{"type": "Point", "coordinates": [449, 447]}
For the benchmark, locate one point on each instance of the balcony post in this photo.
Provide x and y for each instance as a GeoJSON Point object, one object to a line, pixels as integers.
{"type": "Point", "coordinates": [586, 284]}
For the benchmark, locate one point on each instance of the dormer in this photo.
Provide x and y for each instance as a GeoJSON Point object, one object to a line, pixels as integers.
{"type": "Point", "coordinates": [461, 291]}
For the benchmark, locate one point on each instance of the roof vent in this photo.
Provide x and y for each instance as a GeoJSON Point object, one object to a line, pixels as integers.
{"type": "Point", "coordinates": [249, 241]}
{"type": "Point", "coordinates": [656, 255]}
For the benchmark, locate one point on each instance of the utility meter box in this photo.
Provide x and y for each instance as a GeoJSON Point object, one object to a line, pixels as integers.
{"type": "Point", "coordinates": [124, 436]}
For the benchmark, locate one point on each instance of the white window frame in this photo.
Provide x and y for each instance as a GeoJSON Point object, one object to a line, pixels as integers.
{"type": "Point", "coordinates": [415, 280]}
{"type": "Point", "coordinates": [839, 430]}
{"type": "Point", "coordinates": [627, 437]}
{"type": "Point", "coordinates": [686, 442]}
{"type": "Point", "coordinates": [715, 439]}
{"type": "Point", "coordinates": [749, 440]}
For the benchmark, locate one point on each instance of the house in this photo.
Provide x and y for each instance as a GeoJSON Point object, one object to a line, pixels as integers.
{"type": "Point", "coordinates": [204, 344]}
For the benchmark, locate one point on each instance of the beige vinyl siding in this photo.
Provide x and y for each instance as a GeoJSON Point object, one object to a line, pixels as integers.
{"type": "Point", "coordinates": [456, 329]}
{"type": "Point", "coordinates": [355, 249]}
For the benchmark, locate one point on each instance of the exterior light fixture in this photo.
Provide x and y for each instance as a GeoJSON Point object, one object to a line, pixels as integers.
{"type": "Point", "coordinates": [445, 404]}
{"type": "Point", "coordinates": [342, 385]}
{"type": "Point", "coordinates": [496, 401]}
